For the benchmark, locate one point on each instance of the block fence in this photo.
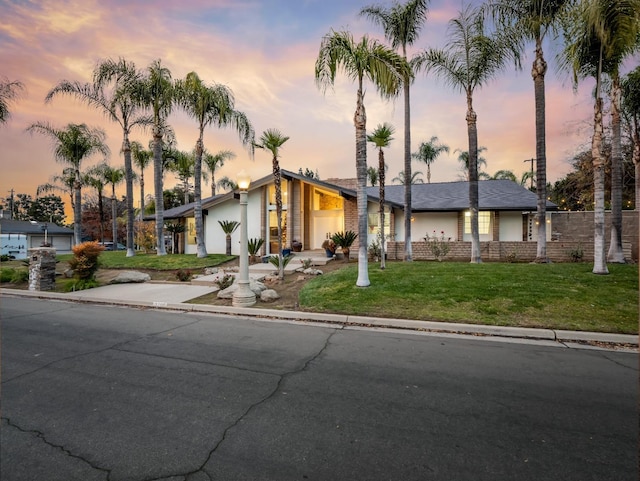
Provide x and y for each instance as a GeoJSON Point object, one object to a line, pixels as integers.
{"type": "Point", "coordinates": [501, 251]}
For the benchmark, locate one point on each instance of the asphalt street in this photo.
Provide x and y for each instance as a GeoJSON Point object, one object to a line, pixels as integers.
{"type": "Point", "coordinates": [118, 393]}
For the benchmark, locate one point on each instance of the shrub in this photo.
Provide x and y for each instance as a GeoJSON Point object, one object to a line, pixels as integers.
{"type": "Point", "coordinates": [5, 258]}
{"type": "Point", "coordinates": [73, 285]}
{"type": "Point", "coordinates": [184, 275]}
{"type": "Point", "coordinates": [375, 249]}
{"type": "Point", "coordinates": [85, 259]}
{"type": "Point", "coordinates": [307, 263]}
{"type": "Point", "coordinates": [6, 273]}
{"type": "Point", "coordinates": [254, 246]}
{"type": "Point", "coordinates": [275, 260]}
{"type": "Point", "coordinates": [224, 281]}
{"type": "Point", "coordinates": [576, 254]}
{"type": "Point", "coordinates": [20, 276]}
{"type": "Point", "coordinates": [439, 246]}
{"type": "Point", "coordinates": [145, 235]}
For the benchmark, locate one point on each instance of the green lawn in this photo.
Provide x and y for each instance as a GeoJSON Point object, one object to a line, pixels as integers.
{"type": "Point", "coordinates": [559, 296]}
{"type": "Point", "coordinates": [119, 260]}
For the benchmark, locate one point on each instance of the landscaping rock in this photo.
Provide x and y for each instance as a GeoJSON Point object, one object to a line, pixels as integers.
{"type": "Point", "coordinates": [210, 270]}
{"type": "Point", "coordinates": [255, 286]}
{"type": "Point", "coordinates": [127, 277]}
{"type": "Point", "coordinates": [312, 272]}
{"type": "Point", "coordinates": [269, 295]}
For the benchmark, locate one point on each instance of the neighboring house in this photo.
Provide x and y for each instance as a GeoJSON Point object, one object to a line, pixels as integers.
{"type": "Point", "coordinates": [17, 236]}
{"type": "Point", "coordinates": [314, 210]}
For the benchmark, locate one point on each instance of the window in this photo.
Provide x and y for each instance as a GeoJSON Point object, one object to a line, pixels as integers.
{"type": "Point", "coordinates": [484, 223]}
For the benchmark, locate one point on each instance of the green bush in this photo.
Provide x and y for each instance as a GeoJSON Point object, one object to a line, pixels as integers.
{"type": "Point", "coordinates": [20, 276]}
{"type": "Point", "coordinates": [224, 282]}
{"type": "Point", "coordinates": [73, 285]}
{"type": "Point", "coordinates": [6, 273]}
{"type": "Point", "coordinates": [275, 260]}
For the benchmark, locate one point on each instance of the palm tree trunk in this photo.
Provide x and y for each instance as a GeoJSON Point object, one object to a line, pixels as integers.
{"type": "Point", "coordinates": [538, 72]}
{"type": "Point", "coordinates": [141, 193]}
{"type": "Point", "coordinates": [360, 122]}
{"type": "Point", "coordinates": [128, 172]}
{"type": "Point", "coordinates": [408, 251]}
{"type": "Point", "coordinates": [472, 131]}
{"type": "Point", "coordinates": [616, 254]}
{"type": "Point", "coordinates": [77, 210]}
{"type": "Point", "coordinates": [114, 218]}
{"type": "Point", "coordinates": [381, 180]}
{"type": "Point", "coordinates": [101, 213]}
{"type": "Point", "coordinates": [636, 162]}
{"type": "Point", "coordinates": [157, 183]}
{"type": "Point", "coordinates": [278, 188]}
{"type": "Point", "coordinates": [599, 251]}
{"type": "Point", "coordinates": [201, 248]}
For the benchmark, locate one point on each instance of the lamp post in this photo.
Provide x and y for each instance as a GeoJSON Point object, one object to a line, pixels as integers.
{"type": "Point", "coordinates": [44, 228]}
{"type": "Point", "coordinates": [243, 295]}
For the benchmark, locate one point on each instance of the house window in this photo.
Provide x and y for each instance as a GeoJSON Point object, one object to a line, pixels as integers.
{"type": "Point", "coordinates": [374, 223]}
{"type": "Point", "coordinates": [284, 190]}
{"type": "Point", "coordinates": [191, 231]}
{"type": "Point", "coordinates": [484, 223]}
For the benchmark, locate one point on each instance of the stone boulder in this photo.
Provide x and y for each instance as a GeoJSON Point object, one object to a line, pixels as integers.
{"type": "Point", "coordinates": [127, 277]}
{"type": "Point", "coordinates": [269, 295]}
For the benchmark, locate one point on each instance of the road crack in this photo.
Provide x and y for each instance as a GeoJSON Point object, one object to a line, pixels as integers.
{"type": "Point", "coordinates": [40, 435]}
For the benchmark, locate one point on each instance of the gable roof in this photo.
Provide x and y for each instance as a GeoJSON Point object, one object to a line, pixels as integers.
{"type": "Point", "coordinates": [454, 196]}
{"type": "Point", "coordinates": [10, 226]}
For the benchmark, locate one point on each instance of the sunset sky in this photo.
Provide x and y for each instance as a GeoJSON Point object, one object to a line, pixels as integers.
{"type": "Point", "coordinates": [265, 51]}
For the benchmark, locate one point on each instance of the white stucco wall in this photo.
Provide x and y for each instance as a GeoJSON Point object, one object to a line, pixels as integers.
{"type": "Point", "coordinates": [427, 223]}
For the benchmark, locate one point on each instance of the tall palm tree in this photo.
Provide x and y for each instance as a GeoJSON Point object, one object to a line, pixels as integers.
{"type": "Point", "coordinates": [157, 94]}
{"type": "Point", "coordinates": [386, 70]}
{"type": "Point", "coordinates": [9, 91]}
{"type": "Point", "coordinates": [63, 182]}
{"type": "Point", "coordinates": [183, 165]}
{"type": "Point", "coordinates": [95, 177]}
{"type": "Point", "coordinates": [603, 33]}
{"type": "Point", "coordinates": [72, 145]}
{"type": "Point", "coordinates": [272, 140]}
{"type": "Point", "coordinates": [428, 152]}
{"type": "Point", "coordinates": [532, 20]}
{"type": "Point", "coordinates": [415, 178]}
{"type": "Point", "coordinates": [472, 57]}
{"type": "Point", "coordinates": [114, 91]}
{"type": "Point", "coordinates": [213, 162]}
{"type": "Point", "coordinates": [141, 159]}
{"type": "Point", "coordinates": [463, 158]}
{"type": "Point", "coordinates": [114, 176]}
{"type": "Point", "coordinates": [209, 105]}
{"type": "Point", "coordinates": [631, 111]}
{"type": "Point", "coordinates": [381, 137]}
{"type": "Point", "coordinates": [225, 183]}
{"type": "Point", "coordinates": [402, 24]}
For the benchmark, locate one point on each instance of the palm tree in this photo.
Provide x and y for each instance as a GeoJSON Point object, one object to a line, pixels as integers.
{"type": "Point", "coordinates": [183, 165]}
{"type": "Point", "coordinates": [114, 176]}
{"type": "Point", "coordinates": [372, 176]}
{"type": "Point", "coordinates": [9, 91]}
{"type": "Point", "coordinates": [63, 182]}
{"type": "Point", "coordinates": [463, 158]}
{"type": "Point", "coordinates": [228, 227]}
{"type": "Point", "coordinates": [630, 86]}
{"type": "Point", "coordinates": [402, 24]}
{"type": "Point", "coordinates": [157, 94]}
{"type": "Point", "coordinates": [95, 177]}
{"type": "Point", "coordinates": [141, 159]}
{"type": "Point", "coordinates": [428, 152]}
{"type": "Point", "coordinates": [209, 105]}
{"type": "Point", "coordinates": [504, 175]}
{"type": "Point", "coordinates": [415, 179]}
{"type": "Point", "coordinates": [603, 34]}
{"type": "Point", "coordinates": [531, 20]}
{"type": "Point", "coordinates": [119, 104]}
{"type": "Point", "coordinates": [215, 161]}
{"type": "Point", "coordinates": [386, 70]}
{"type": "Point", "coordinates": [272, 140]}
{"type": "Point", "coordinates": [72, 145]}
{"type": "Point", "coordinates": [225, 183]}
{"type": "Point", "coordinates": [471, 59]}
{"type": "Point", "coordinates": [381, 137]}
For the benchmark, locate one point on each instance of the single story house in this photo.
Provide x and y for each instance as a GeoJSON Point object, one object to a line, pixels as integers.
{"type": "Point", "coordinates": [314, 210]}
{"type": "Point", "coordinates": [17, 236]}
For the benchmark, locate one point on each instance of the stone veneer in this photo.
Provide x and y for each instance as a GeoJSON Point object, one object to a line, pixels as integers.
{"type": "Point", "coordinates": [42, 269]}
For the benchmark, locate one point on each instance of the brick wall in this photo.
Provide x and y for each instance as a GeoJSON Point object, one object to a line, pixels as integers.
{"type": "Point", "coordinates": [578, 226]}
{"type": "Point", "coordinates": [557, 251]}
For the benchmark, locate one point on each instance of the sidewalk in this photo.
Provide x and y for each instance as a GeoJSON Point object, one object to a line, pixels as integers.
{"type": "Point", "coordinates": [176, 296]}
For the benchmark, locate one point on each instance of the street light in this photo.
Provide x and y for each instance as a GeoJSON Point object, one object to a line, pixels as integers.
{"type": "Point", "coordinates": [243, 295]}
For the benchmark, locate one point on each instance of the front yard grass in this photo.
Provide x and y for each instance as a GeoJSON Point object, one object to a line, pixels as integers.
{"type": "Point", "coordinates": [557, 296]}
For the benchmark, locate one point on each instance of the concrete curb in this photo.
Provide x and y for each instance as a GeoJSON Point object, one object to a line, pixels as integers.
{"type": "Point", "coordinates": [568, 338]}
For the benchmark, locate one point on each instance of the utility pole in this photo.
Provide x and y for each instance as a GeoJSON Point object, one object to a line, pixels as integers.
{"type": "Point", "coordinates": [532, 161]}
{"type": "Point", "coordinates": [11, 205]}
